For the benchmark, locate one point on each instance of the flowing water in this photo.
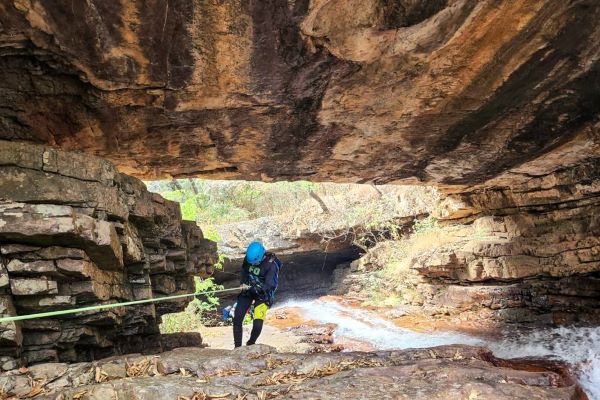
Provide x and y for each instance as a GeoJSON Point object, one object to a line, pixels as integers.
{"type": "Point", "coordinates": [578, 346]}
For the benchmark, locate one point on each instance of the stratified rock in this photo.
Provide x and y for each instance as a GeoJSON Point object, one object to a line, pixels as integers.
{"type": "Point", "coordinates": [27, 287]}
{"type": "Point", "coordinates": [10, 332]}
{"type": "Point", "coordinates": [47, 224]}
{"type": "Point", "coordinates": [11, 248]}
{"type": "Point", "coordinates": [496, 101]}
{"type": "Point", "coordinates": [73, 233]}
{"type": "Point", "coordinates": [525, 253]}
{"type": "Point", "coordinates": [17, 267]}
{"type": "Point", "coordinates": [4, 281]}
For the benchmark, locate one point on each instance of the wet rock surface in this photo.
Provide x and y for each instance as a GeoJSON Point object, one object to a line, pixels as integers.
{"type": "Point", "coordinates": [258, 372]}
{"type": "Point", "coordinates": [74, 232]}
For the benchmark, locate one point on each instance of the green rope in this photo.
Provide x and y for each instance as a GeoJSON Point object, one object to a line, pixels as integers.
{"type": "Point", "coordinates": [106, 306]}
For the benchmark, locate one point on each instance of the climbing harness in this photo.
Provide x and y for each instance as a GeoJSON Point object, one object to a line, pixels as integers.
{"type": "Point", "coordinates": [106, 306]}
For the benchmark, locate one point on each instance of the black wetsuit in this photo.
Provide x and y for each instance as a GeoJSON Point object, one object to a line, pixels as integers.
{"type": "Point", "coordinates": [260, 279]}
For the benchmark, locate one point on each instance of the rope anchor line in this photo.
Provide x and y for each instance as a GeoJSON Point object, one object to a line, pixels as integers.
{"type": "Point", "coordinates": [106, 306]}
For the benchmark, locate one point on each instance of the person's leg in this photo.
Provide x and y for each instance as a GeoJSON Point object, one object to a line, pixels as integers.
{"type": "Point", "coordinates": [243, 304]}
{"type": "Point", "coordinates": [260, 313]}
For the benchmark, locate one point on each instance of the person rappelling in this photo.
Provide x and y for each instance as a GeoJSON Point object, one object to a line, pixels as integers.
{"type": "Point", "coordinates": [259, 277]}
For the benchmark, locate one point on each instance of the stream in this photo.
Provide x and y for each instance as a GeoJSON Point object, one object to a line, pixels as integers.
{"type": "Point", "coordinates": [578, 346]}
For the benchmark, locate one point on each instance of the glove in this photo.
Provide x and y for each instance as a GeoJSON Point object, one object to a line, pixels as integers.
{"type": "Point", "coordinates": [253, 290]}
{"type": "Point", "coordinates": [244, 287]}
{"type": "Point", "coordinates": [257, 291]}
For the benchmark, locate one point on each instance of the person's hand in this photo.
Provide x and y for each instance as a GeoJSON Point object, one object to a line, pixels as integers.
{"type": "Point", "coordinates": [243, 286]}
{"type": "Point", "coordinates": [257, 291]}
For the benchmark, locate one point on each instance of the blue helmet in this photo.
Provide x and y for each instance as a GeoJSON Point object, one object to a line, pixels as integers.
{"type": "Point", "coordinates": [255, 253]}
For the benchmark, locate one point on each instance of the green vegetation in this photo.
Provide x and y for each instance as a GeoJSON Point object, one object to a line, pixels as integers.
{"type": "Point", "coordinates": [369, 215]}
{"type": "Point", "coordinates": [212, 203]}
{"type": "Point", "coordinates": [180, 322]}
{"type": "Point", "coordinates": [425, 225]}
{"type": "Point", "coordinates": [200, 312]}
{"type": "Point", "coordinates": [212, 300]}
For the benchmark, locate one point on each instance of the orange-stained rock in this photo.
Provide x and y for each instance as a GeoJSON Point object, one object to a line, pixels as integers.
{"type": "Point", "coordinates": [442, 91]}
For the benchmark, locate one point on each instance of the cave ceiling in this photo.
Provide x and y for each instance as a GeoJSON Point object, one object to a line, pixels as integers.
{"type": "Point", "coordinates": [455, 92]}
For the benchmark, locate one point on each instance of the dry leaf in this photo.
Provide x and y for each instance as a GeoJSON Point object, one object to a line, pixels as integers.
{"type": "Point", "coordinates": [79, 395]}
{"type": "Point", "coordinates": [227, 372]}
{"type": "Point", "coordinates": [141, 368]}
{"type": "Point", "coordinates": [37, 387]}
{"type": "Point", "coordinates": [100, 376]}
{"type": "Point", "coordinates": [218, 396]}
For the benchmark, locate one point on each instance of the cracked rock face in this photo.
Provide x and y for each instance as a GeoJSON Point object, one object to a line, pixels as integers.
{"type": "Point", "coordinates": [74, 232]}
{"type": "Point", "coordinates": [258, 372]}
{"type": "Point", "coordinates": [443, 91]}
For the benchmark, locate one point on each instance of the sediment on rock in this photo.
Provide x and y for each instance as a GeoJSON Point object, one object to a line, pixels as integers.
{"type": "Point", "coordinates": [75, 232]}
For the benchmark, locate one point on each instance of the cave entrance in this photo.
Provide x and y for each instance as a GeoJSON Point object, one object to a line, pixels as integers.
{"type": "Point", "coordinates": [314, 228]}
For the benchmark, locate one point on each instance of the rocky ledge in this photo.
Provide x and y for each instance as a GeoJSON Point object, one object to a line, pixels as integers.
{"type": "Point", "coordinates": [259, 372]}
{"type": "Point", "coordinates": [75, 232]}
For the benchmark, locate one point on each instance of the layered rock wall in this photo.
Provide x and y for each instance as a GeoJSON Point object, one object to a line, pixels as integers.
{"type": "Point", "coordinates": [529, 252]}
{"type": "Point", "coordinates": [498, 98]}
{"type": "Point", "coordinates": [74, 232]}
{"type": "Point", "coordinates": [532, 246]}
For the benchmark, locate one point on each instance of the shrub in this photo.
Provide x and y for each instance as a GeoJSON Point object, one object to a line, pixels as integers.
{"type": "Point", "coordinates": [424, 225]}
{"type": "Point", "coordinates": [198, 313]}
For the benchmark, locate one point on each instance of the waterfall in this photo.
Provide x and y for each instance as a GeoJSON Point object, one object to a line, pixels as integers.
{"type": "Point", "coordinates": [578, 346]}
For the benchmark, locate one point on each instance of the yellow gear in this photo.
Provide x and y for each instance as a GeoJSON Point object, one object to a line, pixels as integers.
{"type": "Point", "coordinates": [260, 311]}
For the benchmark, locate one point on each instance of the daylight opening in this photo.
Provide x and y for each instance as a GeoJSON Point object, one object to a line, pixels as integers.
{"type": "Point", "coordinates": [316, 229]}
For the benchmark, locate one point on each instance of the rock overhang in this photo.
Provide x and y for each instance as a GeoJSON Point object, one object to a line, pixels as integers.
{"type": "Point", "coordinates": [455, 92]}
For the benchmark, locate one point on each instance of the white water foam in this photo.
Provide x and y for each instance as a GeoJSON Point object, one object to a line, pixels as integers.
{"type": "Point", "coordinates": [579, 347]}
{"type": "Point", "coordinates": [368, 327]}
